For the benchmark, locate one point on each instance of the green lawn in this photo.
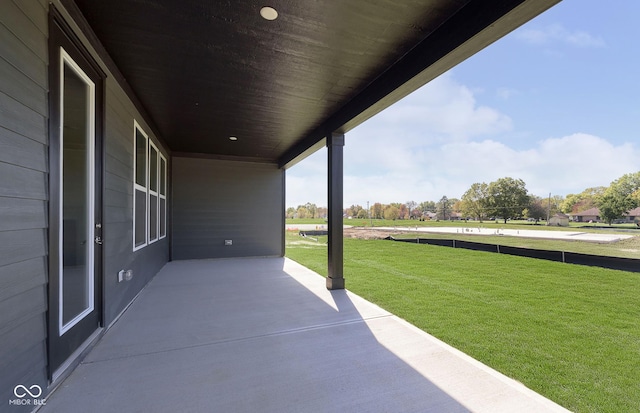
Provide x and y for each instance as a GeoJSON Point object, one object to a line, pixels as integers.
{"type": "Point", "coordinates": [571, 333]}
{"type": "Point", "coordinates": [318, 221]}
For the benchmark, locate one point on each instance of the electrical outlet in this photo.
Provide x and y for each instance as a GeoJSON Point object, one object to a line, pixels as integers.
{"type": "Point", "coordinates": [125, 275]}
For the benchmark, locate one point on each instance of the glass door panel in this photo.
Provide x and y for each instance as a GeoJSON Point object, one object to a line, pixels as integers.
{"type": "Point", "coordinates": [77, 186]}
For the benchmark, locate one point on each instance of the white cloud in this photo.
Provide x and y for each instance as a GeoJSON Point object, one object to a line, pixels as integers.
{"type": "Point", "coordinates": [442, 108]}
{"type": "Point", "coordinates": [440, 113]}
{"type": "Point", "coordinates": [557, 165]}
{"type": "Point", "coordinates": [558, 33]}
{"type": "Point", "coordinates": [439, 141]}
{"type": "Point", "coordinates": [506, 93]}
{"type": "Point", "coordinates": [307, 181]}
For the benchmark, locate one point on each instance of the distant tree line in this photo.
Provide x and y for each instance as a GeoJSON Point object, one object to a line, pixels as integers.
{"type": "Point", "coordinates": [307, 210]}
{"type": "Point", "coordinates": [503, 199]}
{"type": "Point", "coordinates": [614, 201]}
{"type": "Point", "coordinates": [507, 198]}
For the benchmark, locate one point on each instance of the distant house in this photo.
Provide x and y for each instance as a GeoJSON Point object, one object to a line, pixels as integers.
{"type": "Point", "coordinates": [632, 215]}
{"type": "Point", "coordinates": [560, 220]}
{"type": "Point", "coordinates": [592, 214]}
{"type": "Point", "coordinates": [428, 216]}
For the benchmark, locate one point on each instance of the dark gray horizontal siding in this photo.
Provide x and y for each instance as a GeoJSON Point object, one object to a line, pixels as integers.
{"type": "Point", "coordinates": [21, 119]}
{"type": "Point", "coordinates": [19, 182]}
{"type": "Point", "coordinates": [36, 12]}
{"type": "Point", "coordinates": [17, 246]}
{"type": "Point", "coordinates": [145, 264]}
{"type": "Point", "coordinates": [119, 143]}
{"type": "Point", "coordinates": [120, 102]}
{"type": "Point", "coordinates": [27, 366]}
{"type": "Point", "coordinates": [20, 213]}
{"type": "Point", "coordinates": [20, 308]}
{"type": "Point", "coordinates": [23, 195]}
{"type": "Point", "coordinates": [120, 168]}
{"type": "Point", "coordinates": [119, 184]}
{"type": "Point", "coordinates": [26, 90]}
{"type": "Point", "coordinates": [23, 28]}
{"type": "Point", "coordinates": [118, 212]}
{"type": "Point", "coordinates": [120, 235]}
{"type": "Point", "coordinates": [119, 199]}
{"type": "Point", "coordinates": [215, 200]}
{"type": "Point", "coordinates": [21, 57]}
{"type": "Point", "coordinates": [117, 215]}
{"type": "Point", "coordinates": [30, 328]}
{"type": "Point", "coordinates": [20, 150]}
{"type": "Point", "coordinates": [22, 276]}
{"type": "Point", "coordinates": [117, 242]}
{"type": "Point", "coordinates": [120, 132]}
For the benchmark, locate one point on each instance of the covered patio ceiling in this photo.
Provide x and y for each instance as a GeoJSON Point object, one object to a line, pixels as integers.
{"type": "Point", "coordinates": [207, 70]}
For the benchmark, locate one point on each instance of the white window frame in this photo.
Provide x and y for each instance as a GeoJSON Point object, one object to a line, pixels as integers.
{"type": "Point", "coordinates": [151, 193]}
{"type": "Point", "coordinates": [63, 327]}
{"type": "Point", "coordinates": [138, 187]}
{"type": "Point", "coordinates": [162, 192]}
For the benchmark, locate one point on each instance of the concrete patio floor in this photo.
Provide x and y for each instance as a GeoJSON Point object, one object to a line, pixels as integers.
{"type": "Point", "coordinates": [264, 335]}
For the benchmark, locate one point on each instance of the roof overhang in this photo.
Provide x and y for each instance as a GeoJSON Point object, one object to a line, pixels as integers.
{"type": "Point", "coordinates": [206, 71]}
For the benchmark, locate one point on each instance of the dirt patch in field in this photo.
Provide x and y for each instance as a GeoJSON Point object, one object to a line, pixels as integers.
{"type": "Point", "coordinates": [366, 233]}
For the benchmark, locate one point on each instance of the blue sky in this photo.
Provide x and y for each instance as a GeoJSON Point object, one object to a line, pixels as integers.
{"type": "Point", "coordinates": [555, 103]}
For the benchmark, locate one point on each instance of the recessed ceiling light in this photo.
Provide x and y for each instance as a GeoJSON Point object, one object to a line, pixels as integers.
{"type": "Point", "coordinates": [233, 138]}
{"type": "Point", "coordinates": [268, 13]}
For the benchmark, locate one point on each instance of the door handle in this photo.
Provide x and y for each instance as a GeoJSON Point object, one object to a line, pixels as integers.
{"type": "Point", "coordinates": [98, 240]}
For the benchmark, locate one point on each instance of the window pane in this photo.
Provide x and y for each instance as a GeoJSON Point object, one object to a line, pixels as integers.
{"type": "Point", "coordinates": [163, 177]}
{"type": "Point", "coordinates": [153, 217]}
{"type": "Point", "coordinates": [153, 169]}
{"type": "Point", "coordinates": [163, 217]}
{"type": "Point", "coordinates": [141, 158]}
{"type": "Point", "coordinates": [77, 241]}
{"type": "Point", "coordinates": [140, 218]}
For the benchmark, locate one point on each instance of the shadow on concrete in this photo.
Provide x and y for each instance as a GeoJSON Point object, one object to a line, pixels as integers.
{"type": "Point", "coordinates": [264, 335]}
